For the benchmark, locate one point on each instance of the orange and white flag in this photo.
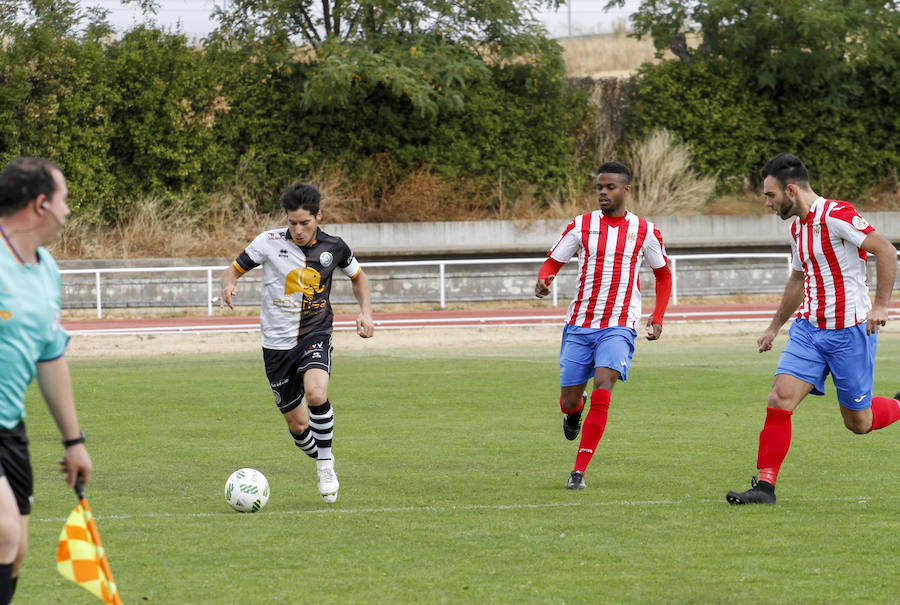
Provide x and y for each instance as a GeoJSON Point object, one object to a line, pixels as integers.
{"type": "Point", "coordinates": [81, 557]}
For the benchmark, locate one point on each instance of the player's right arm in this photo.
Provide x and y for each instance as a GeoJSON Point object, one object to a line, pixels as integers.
{"type": "Point", "coordinates": [790, 301]}
{"type": "Point", "coordinates": [546, 275]}
{"type": "Point", "coordinates": [564, 248]}
{"type": "Point", "coordinates": [229, 285]}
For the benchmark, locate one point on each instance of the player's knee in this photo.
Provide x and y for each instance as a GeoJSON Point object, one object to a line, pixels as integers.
{"type": "Point", "coordinates": [10, 539]}
{"type": "Point", "coordinates": [774, 400]}
{"type": "Point", "coordinates": [316, 396]}
{"type": "Point", "coordinates": [297, 424]}
{"type": "Point", "coordinates": [570, 404]}
{"type": "Point", "coordinates": [858, 425]}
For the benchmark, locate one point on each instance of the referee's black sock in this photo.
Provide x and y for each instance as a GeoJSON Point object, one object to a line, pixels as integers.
{"type": "Point", "coordinates": [7, 583]}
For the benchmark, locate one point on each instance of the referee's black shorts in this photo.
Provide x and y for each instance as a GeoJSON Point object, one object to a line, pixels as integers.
{"type": "Point", "coordinates": [15, 465]}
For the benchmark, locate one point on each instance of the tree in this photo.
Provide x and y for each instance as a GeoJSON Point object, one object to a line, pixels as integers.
{"type": "Point", "coordinates": [809, 46]}
{"type": "Point", "coordinates": [494, 26]}
{"type": "Point", "coordinates": [425, 51]}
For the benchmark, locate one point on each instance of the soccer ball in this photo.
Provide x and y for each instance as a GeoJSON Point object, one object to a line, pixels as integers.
{"type": "Point", "coordinates": [247, 490]}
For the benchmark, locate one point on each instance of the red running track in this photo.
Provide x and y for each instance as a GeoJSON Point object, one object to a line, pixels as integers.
{"type": "Point", "coordinates": [414, 319]}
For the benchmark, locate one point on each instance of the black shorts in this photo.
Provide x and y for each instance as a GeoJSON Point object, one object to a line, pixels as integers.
{"type": "Point", "coordinates": [15, 465]}
{"type": "Point", "coordinates": [285, 369]}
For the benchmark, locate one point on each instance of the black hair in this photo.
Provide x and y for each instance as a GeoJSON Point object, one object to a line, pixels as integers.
{"type": "Point", "coordinates": [786, 168]}
{"type": "Point", "coordinates": [301, 195]}
{"type": "Point", "coordinates": [22, 180]}
{"type": "Point", "coordinates": [616, 168]}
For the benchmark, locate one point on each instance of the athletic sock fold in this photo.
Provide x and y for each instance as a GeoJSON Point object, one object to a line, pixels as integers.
{"type": "Point", "coordinates": [577, 409]}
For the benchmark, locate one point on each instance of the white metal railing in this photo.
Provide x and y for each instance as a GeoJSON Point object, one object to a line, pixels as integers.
{"type": "Point", "coordinates": [440, 264]}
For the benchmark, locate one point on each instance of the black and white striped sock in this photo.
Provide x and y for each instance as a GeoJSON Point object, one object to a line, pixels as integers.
{"type": "Point", "coordinates": [321, 423]}
{"type": "Point", "coordinates": [306, 442]}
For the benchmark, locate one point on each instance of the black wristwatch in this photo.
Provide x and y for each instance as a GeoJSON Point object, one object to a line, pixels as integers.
{"type": "Point", "coordinates": [75, 441]}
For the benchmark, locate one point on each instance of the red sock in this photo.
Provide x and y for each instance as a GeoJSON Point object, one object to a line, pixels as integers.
{"type": "Point", "coordinates": [593, 427]}
{"type": "Point", "coordinates": [577, 409]}
{"type": "Point", "coordinates": [884, 412]}
{"type": "Point", "coordinates": [774, 443]}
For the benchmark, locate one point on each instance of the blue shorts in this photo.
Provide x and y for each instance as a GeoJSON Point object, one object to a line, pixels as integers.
{"type": "Point", "coordinates": [848, 354]}
{"type": "Point", "coordinates": [584, 349]}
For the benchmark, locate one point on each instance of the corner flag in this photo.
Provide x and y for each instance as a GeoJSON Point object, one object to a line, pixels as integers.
{"type": "Point", "coordinates": [81, 557]}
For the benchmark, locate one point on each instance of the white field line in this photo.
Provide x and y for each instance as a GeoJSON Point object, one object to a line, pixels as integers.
{"type": "Point", "coordinates": [453, 508]}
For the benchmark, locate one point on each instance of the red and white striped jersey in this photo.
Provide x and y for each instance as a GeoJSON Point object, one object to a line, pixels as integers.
{"type": "Point", "coordinates": [610, 251]}
{"type": "Point", "coordinates": [825, 246]}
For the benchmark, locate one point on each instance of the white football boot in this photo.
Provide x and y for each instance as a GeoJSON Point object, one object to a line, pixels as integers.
{"type": "Point", "coordinates": [328, 481]}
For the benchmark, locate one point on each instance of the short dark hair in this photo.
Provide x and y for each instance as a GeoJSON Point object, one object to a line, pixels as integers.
{"type": "Point", "coordinates": [22, 180]}
{"type": "Point", "coordinates": [301, 195]}
{"type": "Point", "coordinates": [616, 168]}
{"type": "Point", "coordinates": [786, 168]}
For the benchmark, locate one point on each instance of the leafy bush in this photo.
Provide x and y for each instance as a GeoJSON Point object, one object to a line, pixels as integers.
{"type": "Point", "coordinates": [711, 105]}
{"type": "Point", "coordinates": [55, 97]}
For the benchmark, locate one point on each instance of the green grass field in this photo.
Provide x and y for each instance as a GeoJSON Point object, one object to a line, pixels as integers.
{"type": "Point", "coordinates": [453, 470]}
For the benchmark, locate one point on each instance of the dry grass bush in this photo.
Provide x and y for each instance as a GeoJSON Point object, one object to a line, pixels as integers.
{"type": "Point", "coordinates": [605, 56]}
{"type": "Point", "coordinates": [154, 228]}
{"type": "Point", "coordinates": [420, 195]}
{"type": "Point", "coordinates": [664, 181]}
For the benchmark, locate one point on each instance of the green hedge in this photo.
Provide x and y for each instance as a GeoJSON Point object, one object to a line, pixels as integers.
{"type": "Point", "coordinates": [151, 115]}
{"type": "Point", "coordinates": [148, 114]}
{"type": "Point", "coordinates": [733, 127]}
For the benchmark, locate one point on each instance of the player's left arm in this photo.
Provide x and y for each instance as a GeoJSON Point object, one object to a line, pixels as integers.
{"type": "Point", "coordinates": [56, 387]}
{"type": "Point", "coordinates": [885, 273]}
{"type": "Point", "coordinates": [663, 277]}
{"type": "Point", "coordinates": [365, 326]}
{"type": "Point", "coordinates": [655, 253]}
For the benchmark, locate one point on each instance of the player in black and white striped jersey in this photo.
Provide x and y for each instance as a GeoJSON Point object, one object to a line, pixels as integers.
{"type": "Point", "coordinates": [296, 320]}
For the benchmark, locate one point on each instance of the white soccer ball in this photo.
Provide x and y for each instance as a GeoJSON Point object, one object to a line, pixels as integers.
{"type": "Point", "coordinates": [247, 490]}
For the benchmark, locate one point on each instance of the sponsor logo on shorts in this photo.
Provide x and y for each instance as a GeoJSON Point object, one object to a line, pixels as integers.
{"type": "Point", "coordinates": [584, 449]}
{"type": "Point", "coordinates": [283, 382]}
{"type": "Point", "coordinates": [277, 397]}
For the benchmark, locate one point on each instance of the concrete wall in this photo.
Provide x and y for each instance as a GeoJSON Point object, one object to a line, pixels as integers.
{"type": "Point", "coordinates": [711, 232]}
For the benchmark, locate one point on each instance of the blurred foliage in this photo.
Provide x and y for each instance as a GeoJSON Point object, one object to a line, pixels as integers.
{"type": "Point", "coordinates": [247, 112]}
{"type": "Point", "coordinates": [756, 77]}
{"type": "Point", "coordinates": [470, 92]}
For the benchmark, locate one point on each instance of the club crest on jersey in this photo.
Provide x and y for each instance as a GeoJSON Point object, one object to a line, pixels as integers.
{"type": "Point", "coordinates": [631, 237]}
{"type": "Point", "coordinates": [306, 280]}
{"type": "Point", "coordinates": [817, 229]}
{"type": "Point", "coordinates": [859, 222]}
{"type": "Point", "coordinates": [326, 258]}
